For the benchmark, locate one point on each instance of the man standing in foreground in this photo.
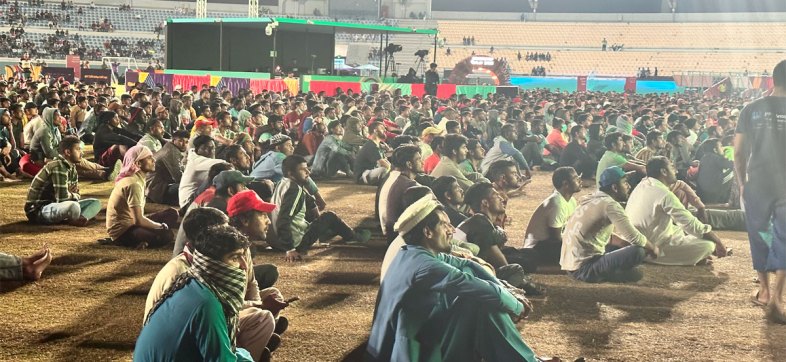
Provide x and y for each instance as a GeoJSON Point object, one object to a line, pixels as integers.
{"type": "Point", "coordinates": [759, 140]}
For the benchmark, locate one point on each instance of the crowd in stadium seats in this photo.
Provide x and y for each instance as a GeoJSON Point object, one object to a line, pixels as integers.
{"type": "Point", "coordinates": [244, 170]}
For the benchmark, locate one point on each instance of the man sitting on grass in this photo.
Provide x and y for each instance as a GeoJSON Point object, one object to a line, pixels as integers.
{"type": "Point", "coordinates": [198, 317]}
{"type": "Point", "coordinates": [54, 197]}
{"type": "Point", "coordinates": [437, 307]}
{"type": "Point", "coordinates": [296, 231]}
{"type": "Point", "coordinates": [544, 232]}
{"type": "Point", "coordinates": [586, 254]}
{"type": "Point", "coordinates": [657, 212]}
{"type": "Point", "coordinates": [126, 222]}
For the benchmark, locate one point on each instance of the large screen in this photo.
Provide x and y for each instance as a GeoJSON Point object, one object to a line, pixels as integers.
{"type": "Point", "coordinates": [244, 47]}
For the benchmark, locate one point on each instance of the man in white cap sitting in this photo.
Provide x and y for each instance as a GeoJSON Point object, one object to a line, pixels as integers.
{"type": "Point", "coordinates": [440, 308]}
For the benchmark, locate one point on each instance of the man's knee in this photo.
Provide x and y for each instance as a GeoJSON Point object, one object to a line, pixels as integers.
{"type": "Point", "coordinates": [639, 254]}
{"type": "Point", "coordinates": [72, 210]}
{"type": "Point", "coordinates": [328, 216]}
{"type": "Point", "coordinates": [258, 318]}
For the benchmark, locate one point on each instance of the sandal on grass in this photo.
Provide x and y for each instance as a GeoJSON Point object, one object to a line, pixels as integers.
{"type": "Point", "coordinates": [755, 299]}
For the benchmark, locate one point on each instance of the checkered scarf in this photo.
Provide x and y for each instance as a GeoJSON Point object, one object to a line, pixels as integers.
{"type": "Point", "coordinates": [226, 282]}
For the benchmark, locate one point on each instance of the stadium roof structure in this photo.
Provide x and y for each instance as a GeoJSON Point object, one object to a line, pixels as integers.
{"type": "Point", "coordinates": [324, 26]}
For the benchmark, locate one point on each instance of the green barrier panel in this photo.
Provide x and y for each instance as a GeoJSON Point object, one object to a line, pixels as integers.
{"type": "Point", "coordinates": [249, 75]}
{"type": "Point", "coordinates": [472, 90]}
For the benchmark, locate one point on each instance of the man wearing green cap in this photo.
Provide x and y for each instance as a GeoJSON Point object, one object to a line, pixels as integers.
{"type": "Point", "coordinates": [586, 254]}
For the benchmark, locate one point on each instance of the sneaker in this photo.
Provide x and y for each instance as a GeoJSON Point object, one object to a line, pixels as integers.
{"type": "Point", "coordinates": [281, 325]}
{"type": "Point", "coordinates": [362, 235]}
{"type": "Point", "coordinates": [80, 222]}
{"type": "Point", "coordinates": [115, 171]}
{"type": "Point", "coordinates": [273, 342]}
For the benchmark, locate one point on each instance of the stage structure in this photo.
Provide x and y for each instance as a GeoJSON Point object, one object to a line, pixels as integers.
{"type": "Point", "coordinates": [263, 44]}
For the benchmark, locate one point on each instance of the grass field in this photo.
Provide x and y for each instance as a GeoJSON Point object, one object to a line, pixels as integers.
{"type": "Point", "coordinates": [88, 306]}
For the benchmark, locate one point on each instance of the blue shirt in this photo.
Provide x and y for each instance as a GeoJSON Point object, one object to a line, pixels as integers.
{"type": "Point", "coordinates": [418, 290]}
{"type": "Point", "coordinates": [189, 326]}
{"type": "Point", "coordinates": [269, 167]}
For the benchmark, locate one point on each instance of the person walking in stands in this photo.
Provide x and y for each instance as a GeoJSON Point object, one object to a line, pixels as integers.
{"type": "Point", "coordinates": [54, 196]}
{"type": "Point", "coordinates": [759, 140]}
{"type": "Point", "coordinates": [126, 222]}
{"type": "Point", "coordinates": [295, 234]}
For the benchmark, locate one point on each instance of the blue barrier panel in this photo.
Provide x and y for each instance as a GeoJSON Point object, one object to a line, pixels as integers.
{"type": "Point", "coordinates": [606, 85]}
{"type": "Point", "coordinates": [657, 86]}
{"type": "Point", "coordinates": [550, 83]}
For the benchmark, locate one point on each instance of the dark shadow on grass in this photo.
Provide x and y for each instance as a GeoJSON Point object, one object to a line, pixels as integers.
{"type": "Point", "coordinates": [775, 335]}
{"type": "Point", "coordinates": [592, 313]}
{"type": "Point", "coordinates": [356, 354]}
{"type": "Point", "coordinates": [25, 227]}
{"type": "Point", "coordinates": [327, 300]}
{"type": "Point", "coordinates": [348, 278]}
{"type": "Point", "coordinates": [10, 286]}
{"type": "Point", "coordinates": [119, 275]}
{"type": "Point", "coordinates": [112, 326]}
{"type": "Point", "coordinates": [111, 345]}
{"type": "Point", "coordinates": [75, 262]}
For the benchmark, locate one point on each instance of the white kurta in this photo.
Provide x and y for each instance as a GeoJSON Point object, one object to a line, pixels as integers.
{"type": "Point", "coordinates": [658, 214]}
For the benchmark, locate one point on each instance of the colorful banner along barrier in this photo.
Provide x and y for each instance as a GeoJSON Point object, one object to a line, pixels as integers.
{"type": "Point", "coordinates": [330, 85]}
{"type": "Point", "coordinates": [184, 82]}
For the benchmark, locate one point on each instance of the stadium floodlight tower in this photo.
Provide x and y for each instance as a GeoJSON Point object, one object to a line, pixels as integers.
{"type": "Point", "coordinates": [253, 8]}
{"type": "Point", "coordinates": [201, 9]}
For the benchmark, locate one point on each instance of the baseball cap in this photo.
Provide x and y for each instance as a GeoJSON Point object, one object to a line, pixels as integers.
{"type": "Point", "coordinates": [230, 177]}
{"type": "Point", "coordinates": [432, 131]}
{"type": "Point", "coordinates": [612, 175]}
{"type": "Point", "coordinates": [247, 200]}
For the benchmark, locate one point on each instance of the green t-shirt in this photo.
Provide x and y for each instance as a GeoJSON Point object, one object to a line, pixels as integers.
{"type": "Point", "coordinates": [610, 158]}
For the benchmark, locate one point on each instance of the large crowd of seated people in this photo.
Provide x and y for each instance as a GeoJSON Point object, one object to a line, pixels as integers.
{"type": "Point", "coordinates": [243, 170]}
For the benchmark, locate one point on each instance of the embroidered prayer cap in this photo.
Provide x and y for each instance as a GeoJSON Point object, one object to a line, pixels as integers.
{"type": "Point", "coordinates": [415, 213]}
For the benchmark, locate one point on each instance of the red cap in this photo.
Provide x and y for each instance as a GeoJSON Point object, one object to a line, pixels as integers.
{"type": "Point", "coordinates": [246, 201]}
{"type": "Point", "coordinates": [204, 122]}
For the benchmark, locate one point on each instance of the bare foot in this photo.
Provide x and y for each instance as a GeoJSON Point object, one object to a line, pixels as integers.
{"type": "Point", "coordinates": [34, 265]}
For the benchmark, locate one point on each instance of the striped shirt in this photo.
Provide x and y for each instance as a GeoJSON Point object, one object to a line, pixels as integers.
{"type": "Point", "coordinates": [51, 185]}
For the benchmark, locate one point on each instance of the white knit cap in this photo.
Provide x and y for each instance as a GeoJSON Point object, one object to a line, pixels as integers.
{"type": "Point", "coordinates": [415, 213]}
